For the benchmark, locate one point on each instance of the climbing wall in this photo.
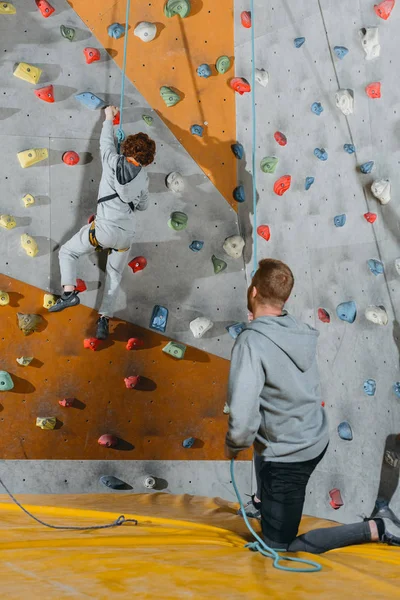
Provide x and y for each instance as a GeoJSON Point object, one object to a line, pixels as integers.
{"type": "Point", "coordinates": [323, 232]}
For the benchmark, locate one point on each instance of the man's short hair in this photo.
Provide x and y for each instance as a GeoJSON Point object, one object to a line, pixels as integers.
{"type": "Point", "coordinates": [274, 281]}
{"type": "Point", "coordinates": [140, 147]}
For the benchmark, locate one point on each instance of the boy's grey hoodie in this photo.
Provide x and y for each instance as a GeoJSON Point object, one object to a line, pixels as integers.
{"type": "Point", "coordinates": [274, 391]}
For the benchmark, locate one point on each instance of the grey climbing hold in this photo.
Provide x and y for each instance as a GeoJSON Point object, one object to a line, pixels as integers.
{"type": "Point", "coordinates": [377, 315]}
{"type": "Point", "coordinates": [347, 311]}
{"type": "Point", "coordinates": [145, 31]}
{"type": "Point", "coordinates": [367, 167]}
{"type": "Point", "coordinates": [238, 194]}
{"type": "Point", "coordinates": [262, 77]}
{"type": "Point", "coordinates": [204, 71]}
{"type": "Point", "coordinates": [345, 432]}
{"type": "Point", "coordinates": [369, 387]}
{"type": "Point", "coordinates": [375, 266]}
{"type": "Point", "coordinates": [219, 264]}
{"type": "Point", "coordinates": [116, 30]}
{"type": "Point", "coordinates": [370, 42]}
{"type": "Point", "coordinates": [196, 130]}
{"type": "Point", "coordinates": [175, 182]}
{"type": "Point", "coordinates": [148, 120]}
{"type": "Point", "coordinates": [269, 164]}
{"type": "Point", "coordinates": [6, 383]}
{"type": "Point", "coordinates": [177, 7]}
{"type": "Point", "coordinates": [238, 150]}
{"type": "Point", "coordinates": [223, 64]}
{"type": "Point", "coordinates": [298, 42]}
{"type": "Point", "coordinates": [67, 32]}
{"type": "Point", "coordinates": [169, 96]}
{"type": "Point", "coordinates": [150, 483]}
{"type": "Point", "coordinates": [349, 148]}
{"type": "Point", "coordinates": [234, 245]}
{"type": "Point", "coordinates": [188, 443]}
{"type": "Point", "coordinates": [345, 101]}
{"type": "Point", "coordinates": [113, 482]}
{"type": "Point", "coordinates": [382, 190]}
{"type": "Point", "coordinates": [339, 220]}
{"type": "Point", "coordinates": [235, 329]}
{"type": "Point", "coordinates": [321, 154]}
{"type": "Point", "coordinates": [90, 100]}
{"type": "Point", "coordinates": [308, 183]}
{"type": "Point", "coordinates": [317, 108]}
{"type": "Point", "coordinates": [397, 265]}
{"type": "Point", "coordinates": [200, 326]}
{"type": "Point", "coordinates": [196, 245]}
{"type": "Point", "coordinates": [340, 51]}
{"type": "Point", "coordinates": [178, 221]}
{"type": "Point", "coordinates": [396, 388]}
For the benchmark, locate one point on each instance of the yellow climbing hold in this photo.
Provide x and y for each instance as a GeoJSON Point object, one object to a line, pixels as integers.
{"type": "Point", "coordinates": [24, 361]}
{"type": "Point", "coordinates": [4, 299]}
{"type": "Point", "coordinates": [27, 158]}
{"type": "Point", "coordinates": [6, 8]}
{"type": "Point", "coordinates": [46, 422]}
{"type": "Point", "coordinates": [28, 322]}
{"type": "Point", "coordinates": [49, 300]}
{"type": "Point", "coordinates": [27, 72]}
{"type": "Point", "coordinates": [29, 245]}
{"type": "Point", "coordinates": [28, 200]}
{"type": "Point", "coordinates": [8, 222]}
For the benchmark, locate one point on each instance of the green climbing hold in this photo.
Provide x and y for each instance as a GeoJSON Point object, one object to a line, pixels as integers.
{"type": "Point", "coordinates": [175, 349]}
{"type": "Point", "coordinates": [169, 96]}
{"type": "Point", "coordinates": [178, 221]}
{"type": "Point", "coordinates": [67, 32]}
{"type": "Point", "coordinates": [6, 383]}
{"type": "Point", "coordinates": [219, 264]}
{"type": "Point", "coordinates": [177, 7]}
{"type": "Point", "coordinates": [223, 64]}
{"type": "Point", "coordinates": [148, 120]}
{"type": "Point", "coordinates": [268, 164]}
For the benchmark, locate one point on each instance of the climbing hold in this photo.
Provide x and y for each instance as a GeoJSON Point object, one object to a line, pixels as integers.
{"type": "Point", "coordinates": [369, 387]}
{"type": "Point", "coordinates": [219, 264]}
{"type": "Point", "coordinates": [349, 148]}
{"type": "Point", "coordinates": [200, 326]}
{"type": "Point", "coordinates": [27, 72]}
{"type": "Point", "coordinates": [67, 402]}
{"type": "Point", "coordinates": [396, 388]}
{"type": "Point", "coordinates": [233, 246]}
{"type": "Point", "coordinates": [177, 7]}
{"type": "Point", "coordinates": [46, 94]}
{"type": "Point", "coordinates": [24, 361]}
{"type": "Point", "coordinates": [392, 458]}
{"type": "Point", "coordinates": [308, 183]}
{"type": "Point", "coordinates": [317, 108]}
{"type": "Point", "coordinates": [367, 167]}
{"type": "Point", "coordinates": [91, 344]}
{"type": "Point", "coordinates": [90, 100]}
{"type": "Point", "coordinates": [196, 245]}
{"type": "Point", "coordinates": [235, 329]}
{"type": "Point", "coordinates": [204, 71]}
{"type": "Point", "coordinates": [226, 409]}
{"type": "Point", "coordinates": [29, 245]}
{"type": "Point", "coordinates": [148, 120]}
{"type": "Point", "coordinates": [175, 182]}
{"type": "Point", "coordinates": [80, 286]}
{"type": "Point", "coordinates": [7, 222]}
{"type": "Point", "coordinates": [116, 30]}
{"type": "Point", "coordinates": [370, 42]}
{"type": "Point", "coordinates": [45, 8]}
{"type": "Point", "coordinates": [49, 300]}
{"type": "Point", "coordinates": [373, 90]}
{"type": "Point", "coordinates": [223, 64]}
{"type": "Point", "coordinates": [131, 381]}
{"type": "Point", "coordinates": [159, 318]}
{"type": "Point", "coordinates": [336, 499]}
{"type": "Point", "coordinates": [238, 194]}
{"type": "Point", "coordinates": [321, 154]}
{"type": "Point", "coordinates": [169, 96]}
{"type": "Point", "coordinates": [298, 42]}
{"type": "Point", "coordinates": [113, 482]}
{"type": "Point", "coordinates": [268, 164]}
{"type": "Point", "coordinates": [28, 322]}
{"type": "Point", "coordinates": [323, 315]}
{"type": "Point", "coordinates": [370, 217]}
{"type": "Point", "coordinates": [280, 138]}
{"type": "Point", "coordinates": [6, 383]}
{"type": "Point", "coordinates": [28, 200]}
{"type": "Point", "coordinates": [384, 9]}
{"type": "Point", "coordinates": [345, 432]}
{"type": "Point", "coordinates": [134, 343]}
{"type": "Point", "coordinates": [178, 221]}
{"type": "Point", "coordinates": [238, 150]}
{"type": "Point", "coordinates": [67, 32]}
{"type": "Point", "coordinates": [377, 315]}
{"type": "Point", "coordinates": [240, 85]}
{"type": "Point", "coordinates": [145, 31]}
{"type": "Point", "coordinates": [46, 422]}
{"type": "Point", "coordinates": [375, 266]}
{"type": "Point", "coordinates": [282, 184]}
{"type": "Point", "coordinates": [196, 130]}
{"type": "Point", "coordinates": [245, 18]}
{"type": "Point", "coordinates": [6, 8]}
{"type": "Point", "coordinates": [397, 265]}
{"type": "Point", "coordinates": [339, 220]}
{"type": "Point", "coordinates": [4, 298]}
{"type": "Point", "coordinates": [27, 158]}
{"type": "Point", "coordinates": [262, 77]}
{"type": "Point", "coordinates": [264, 232]}
{"type": "Point", "coordinates": [108, 440]}
{"type": "Point", "coordinates": [175, 349]}
{"type": "Point", "coordinates": [347, 311]}
{"type": "Point", "coordinates": [188, 443]}
{"type": "Point", "coordinates": [345, 101]}
{"type": "Point", "coordinates": [382, 189]}
{"type": "Point", "coordinates": [150, 483]}
{"type": "Point", "coordinates": [138, 264]}
{"type": "Point", "coordinates": [91, 55]}
{"type": "Point", "coordinates": [340, 51]}
{"type": "Point", "coordinates": [70, 158]}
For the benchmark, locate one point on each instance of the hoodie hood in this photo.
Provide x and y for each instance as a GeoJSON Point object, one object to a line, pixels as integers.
{"type": "Point", "coordinates": [296, 339]}
{"type": "Point", "coordinates": [126, 171]}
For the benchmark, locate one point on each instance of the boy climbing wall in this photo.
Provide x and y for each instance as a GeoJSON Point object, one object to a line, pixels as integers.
{"type": "Point", "coordinates": [123, 190]}
{"type": "Point", "coordinates": [275, 404]}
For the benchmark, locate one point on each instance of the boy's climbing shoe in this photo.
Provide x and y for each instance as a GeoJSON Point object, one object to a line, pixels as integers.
{"type": "Point", "coordinates": [65, 301]}
{"type": "Point", "coordinates": [391, 535]}
{"type": "Point", "coordinates": [382, 511]}
{"type": "Point", "coordinates": [102, 330]}
{"type": "Point", "coordinates": [392, 458]}
{"type": "Point", "coordinates": [252, 509]}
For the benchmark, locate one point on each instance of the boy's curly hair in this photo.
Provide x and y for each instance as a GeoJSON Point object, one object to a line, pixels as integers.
{"type": "Point", "coordinates": [140, 147]}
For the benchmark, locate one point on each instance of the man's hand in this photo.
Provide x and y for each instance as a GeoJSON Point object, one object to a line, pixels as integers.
{"type": "Point", "coordinates": [111, 111]}
{"type": "Point", "coordinates": [228, 453]}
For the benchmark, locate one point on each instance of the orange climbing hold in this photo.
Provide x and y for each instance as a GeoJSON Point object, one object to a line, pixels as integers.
{"type": "Point", "coordinates": [282, 185]}
{"type": "Point", "coordinates": [80, 286]}
{"type": "Point", "coordinates": [132, 381]}
{"type": "Point", "coordinates": [384, 9]}
{"type": "Point", "coordinates": [264, 232]}
{"type": "Point", "coordinates": [240, 85]}
{"type": "Point", "coordinates": [46, 94]}
{"type": "Point", "coordinates": [71, 158]}
{"type": "Point", "coordinates": [117, 119]}
{"type": "Point", "coordinates": [91, 55]}
{"type": "Point", "coordinates": [370, 217]}
{"type": "Point", "coordinates": [91, 343]}
{"type": "Point", "coordinates": [245, 17]}
{"type": "Point", "coordinates": [45, 8]}
{"type": "Point", "coordinates": [373, 90]}
{"type": "Point", "coordinates": [134, 343]}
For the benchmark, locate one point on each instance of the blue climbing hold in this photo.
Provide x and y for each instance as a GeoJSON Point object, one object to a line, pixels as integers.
{"type": "Point", "coordinates": [309, 182]}
{"type": "Point", "coordinates": [188, 443]}
{"type": "Point", "coordinates": [204, 71]}
{"type": "Point", "coordinates": [370, 387]}
{"type": "Point", "coordinates": [367, 167]}
{"type": "Point", "coordinates": [341, 51]}
{"type": "Point", "coordinates": [238, 150]}
{"type": "Point", "coordinates": [298, 42]}
{"type": "Point", "coordinates": [349, 148]}
{"type": "Point", "coordinates": [339, 220]}
{"type": "Point", "coordinates": [321, 153]}
{"type": "Point", "coordinates": [344, 431]}
{"type": "Point", "coordinates": [396, 388]}
{"type": "Point", "coordinates": [238, 194]}
{"type": "Point", "coordinates": [116, 30]}
{"type": "Point", "coordinates": [196, 245]}
{"type": "Point", "coordinates": [196, 130]}
{"type": "Point", "coordinates": [317, 108]}
{"type": "Point", "coordinates": [347, 311]}
{"type": "Point", "coordinates": [159, 318]}
{"type": "Point", "coordinates": [375, 266]}
{"type": "Point", "coordinates": [90, 100]}
{"type": "Point", "coordinates": [235, 329]}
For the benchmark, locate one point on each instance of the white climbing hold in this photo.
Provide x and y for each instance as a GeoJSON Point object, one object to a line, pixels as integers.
{"type": "Point", "coordinates": [397, 265]}
{"type": "Point", "coordinates": [24, 361]}
{"type": "Point", "coordinates": [149, 483]}
{"type": "Point", "coordinates": [200, 326]}
{"type": "Point", "coordinates": [262, 77]}
{"type": "Point", "coordinates": [377, 315]}
{"type": "Point", "coordinates": [175, 182]}
{"type": "Point", "coordinates": [234, 245]}
{"type": "Point", "coordinates": [345, 101]}
{"type": "Point", "coordinates": [370, 42]}
{"type": "Point", "coordinates": [381, 189]}
{"type": "Point", "coordinates": [146, 31]}
{"type": "Point", "coordinates": [227, 410]}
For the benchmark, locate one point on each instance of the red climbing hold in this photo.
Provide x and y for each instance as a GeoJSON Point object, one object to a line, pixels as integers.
{"type": "Point", "coordinates": [264, 232]}
{"type": "Point", "coordinates": [384, 9]}
{"type": "Point", "coordinates": [132, 381]}
{"type": "Point", "coordinates": [46, 94]}
{"type": "Point", "coordinates": [117, 119]}
{"type": "Point", "coordinates": [134, 343]}
{"type": "Point", "coordinates": [336, 499]}
{"type": "Point", "coordinates": [91, 55]}
{"type": "Point", "coordinates": [280, 138]}
{"type": "Point", "coordinates": [282, 185]}
{"type": "Point", "coordinates": [45, 8]}
{"type": "Point", "coordinates": [108, 440]}
{"type": "Point", "coordinates": [373, 90]}
{"type": "Point", "coordinates": [80, 286]}
{"type": "Point", "coordinates": [138, 264]}
{"type": "Point", "coordinates": [71, 158]}
{"type": "Point", "coordinates": [240, 85]}
{"type": "Point", "coordinates": [370, 217]}
{"type": "Point", "coordinates": [323, 315]}
{"type": "Point", "coordinates": [67, 402]}
{"type": "Point", "coordinates": [245, 17]}
{"type": "Point", "coordinates": [91, 343]}
{"type": "Point", "coordinates": [323, 404]}
{"type": "Point", "coordinates": [91, 219]}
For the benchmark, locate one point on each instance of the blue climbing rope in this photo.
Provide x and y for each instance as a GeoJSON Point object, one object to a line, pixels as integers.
{"type": "Point", "coordinates": [253, 151]}
{"type": "Point", "coordinates": [120, 131]}
{"type": "Point", "coordinates": [261, 547]}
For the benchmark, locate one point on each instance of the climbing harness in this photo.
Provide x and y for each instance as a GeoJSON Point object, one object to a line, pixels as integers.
{"type": "Point", "coordinates": [93, 240]}
{"type": "Point", "coordinates": [254, 125]}
{"type": "Point", "coordinates": [261, 547]}
{"type": "Point", "coordinates": [120, 131]}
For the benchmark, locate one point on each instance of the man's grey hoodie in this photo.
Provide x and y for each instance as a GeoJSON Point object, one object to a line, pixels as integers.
{"type": "Point", "coordinates": [274, 391]}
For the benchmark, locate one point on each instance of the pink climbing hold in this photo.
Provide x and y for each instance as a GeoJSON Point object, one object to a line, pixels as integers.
{"type": "Point", "coordinates": [91, 55]}
{"type": "Point", "coordinates": [134, 343]}
{"type": "Point", "coordinates": [240, 85]}
{"type": "Point", "coordinates": [46, 94]}
{"type": "Point", "coordinates": [370, 217]}
{"type": "Point", "coordinates": [336, 498]}
{"type": "Point", "coordinates": [384, 9]}
{"type": "Point", "coordinates": [373, 90]}
{"type": "Point", "coordinates": [71, 158]}
{"type": "Point", "coordinates": [138, 264]}
{"type": "Point", "coordinates": [91, 343]}
{"type": "Point", "coordinates": [282, 185]}
{"type": "Point", "coordinates": [91, 219]}
{"type": "Point", "coordinates": [80, 286]}
{"type": "Point", "coordinates": [264, 232]}
{"type": "Point", "coordinates": [45, 8]}
{"type": "Point", "coordinates": [108, 440]}
{"type": "Point", "coordinates": [280, 138]}
{"type": "Point", "coordinates": [323, 315]}
{"type": "Point", "coordinates": [67, 402]}
{"type": "Point", "coordinates": [132, 381]}
{"type": "Point", "coordinates": [245, 17]}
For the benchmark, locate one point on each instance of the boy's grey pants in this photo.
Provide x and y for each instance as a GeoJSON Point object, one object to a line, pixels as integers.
{"type": "Point", "coordinates": [79, 245]}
